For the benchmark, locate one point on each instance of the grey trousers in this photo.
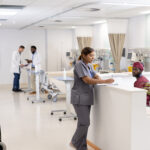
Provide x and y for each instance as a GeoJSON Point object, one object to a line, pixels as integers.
{"type": "Point", "coordinates": [80, 135]}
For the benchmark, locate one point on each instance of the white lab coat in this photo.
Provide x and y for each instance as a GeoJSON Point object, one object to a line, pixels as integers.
{"type": "Point", "coordinates": [36, 60]}
{"type": "Point", "coordinates": [15, 62]}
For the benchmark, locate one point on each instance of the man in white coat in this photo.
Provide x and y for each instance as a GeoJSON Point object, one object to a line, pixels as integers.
{"type": "Point", "coordinates": [35, 62]}
{"type": "Point", "coordinates": [16, 68]}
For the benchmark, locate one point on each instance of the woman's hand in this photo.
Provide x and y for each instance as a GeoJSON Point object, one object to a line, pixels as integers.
{"type": "Point", "coordinates": [109, 80]}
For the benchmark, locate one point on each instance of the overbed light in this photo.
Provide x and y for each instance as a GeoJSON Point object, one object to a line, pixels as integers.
{"type": "Point", "coordinates": [8, 12]}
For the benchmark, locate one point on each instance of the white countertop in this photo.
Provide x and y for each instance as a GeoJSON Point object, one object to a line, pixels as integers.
{"type": "Point", "coordinates": [123, 74]}
{"type": "Point", "coordinates": [123, 81]}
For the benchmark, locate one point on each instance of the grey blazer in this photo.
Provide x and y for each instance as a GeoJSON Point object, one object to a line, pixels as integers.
{"type": "Point", "coordinates": [81, 92]}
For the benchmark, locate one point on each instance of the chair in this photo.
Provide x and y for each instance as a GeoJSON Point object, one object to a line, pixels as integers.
{"type": "Point", "coordinates": [2, 145]}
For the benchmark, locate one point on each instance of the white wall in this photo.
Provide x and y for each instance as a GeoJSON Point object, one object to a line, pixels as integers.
{"type": "Point", "coordinates": [148, 31]}
{"type": "Point", "coordinates": [117, 25]}
{"type": "Point", "coordinates": [59, 42]}
{"type": "Point", "coordinates": [10, 40]}
{"type": "Point", "coordinates": [136, 34]}
{"type": "Point", "coordinates": [100, 37]}
{"type": "Point", "coordinates": [84, 31]}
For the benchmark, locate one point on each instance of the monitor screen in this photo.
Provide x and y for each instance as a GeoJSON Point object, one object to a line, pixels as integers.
{"type": "Point", "coordinates": [67, 53]}
{"type": "Point", "coordinates": [129, 55]}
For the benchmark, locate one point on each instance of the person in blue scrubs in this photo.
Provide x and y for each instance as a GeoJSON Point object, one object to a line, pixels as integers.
{"type": "Point", "coordinates": [82, 96]}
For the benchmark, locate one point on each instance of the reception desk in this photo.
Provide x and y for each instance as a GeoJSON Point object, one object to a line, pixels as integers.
{"type": "Point", "coordinates": [118, 118]}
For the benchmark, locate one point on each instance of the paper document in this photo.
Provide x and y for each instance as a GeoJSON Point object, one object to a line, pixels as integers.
{"type": "Point", "coordinates": [115, 83]}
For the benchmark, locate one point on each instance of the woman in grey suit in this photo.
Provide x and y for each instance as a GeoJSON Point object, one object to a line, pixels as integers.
{"type": "Point", "coordinates": [82, 95]}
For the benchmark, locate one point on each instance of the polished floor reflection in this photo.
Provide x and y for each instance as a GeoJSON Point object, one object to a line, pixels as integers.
{"type": "Point", "coordinates": [27, 126]}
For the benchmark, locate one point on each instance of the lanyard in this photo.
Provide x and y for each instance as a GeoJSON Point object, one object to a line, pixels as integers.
{"type": "Point", "coordinates": [91, 72]}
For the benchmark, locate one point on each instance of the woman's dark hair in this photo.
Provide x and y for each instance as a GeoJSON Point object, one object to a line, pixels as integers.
{"type": "Point", "coordinates": [85, 51]}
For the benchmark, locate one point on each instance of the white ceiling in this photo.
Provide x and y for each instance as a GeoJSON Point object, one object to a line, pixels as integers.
{"type": "Point", "coordinates": [70, 12]}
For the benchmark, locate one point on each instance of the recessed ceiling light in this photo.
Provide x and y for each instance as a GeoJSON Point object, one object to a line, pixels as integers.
{"type": "Point", "coordinates": [0, 24]}
{"type": "Point", "coordinates": [8, 12]}
{"type": "Point", "coordinates": [12, 6]}
{"type": "Point", "coordinates": [99, 22]}
{"type": "Point", "coordinates": [73, 27]}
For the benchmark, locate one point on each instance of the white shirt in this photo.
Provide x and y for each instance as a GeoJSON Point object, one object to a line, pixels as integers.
{"type": "Point", "coordinates": [36, 60]}
{"type": "Point", "coordinates": [15, 62]}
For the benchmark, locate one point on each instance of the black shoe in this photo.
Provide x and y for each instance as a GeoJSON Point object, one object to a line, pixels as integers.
{"type": "Point", "coordinates": [14, 90]}
{"type": "Point", "coordinates": [17, 90]}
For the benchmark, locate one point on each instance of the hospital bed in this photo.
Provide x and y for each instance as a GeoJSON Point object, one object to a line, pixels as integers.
{"type": "Point", "coordinates": [53, 86]}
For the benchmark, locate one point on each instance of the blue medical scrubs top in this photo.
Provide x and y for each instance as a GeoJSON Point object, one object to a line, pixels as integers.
{"type": "Point", "coordinates": [82, 93]}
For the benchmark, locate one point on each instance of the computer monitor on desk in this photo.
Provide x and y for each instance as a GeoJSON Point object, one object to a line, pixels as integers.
{"type": "Point", "coordinates": [67, 53]}
{"type": "Point", "coordinates": [129, 56]}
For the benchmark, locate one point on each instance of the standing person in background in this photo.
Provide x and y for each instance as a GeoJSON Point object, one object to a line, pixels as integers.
{"type": "Point", "coordinates": [16, 68]}
{"type": "Point", "coordinates": [82, 96]}
{"type": "Point", "coordinates": [34, 63]}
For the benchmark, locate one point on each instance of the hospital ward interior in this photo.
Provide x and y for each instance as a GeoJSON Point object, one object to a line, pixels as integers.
{"type": "Point", "coordinates": [75, 75]}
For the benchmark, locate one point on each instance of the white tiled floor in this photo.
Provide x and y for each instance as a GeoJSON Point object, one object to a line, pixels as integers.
{"type": "Point", "coordinates": [27, 126]}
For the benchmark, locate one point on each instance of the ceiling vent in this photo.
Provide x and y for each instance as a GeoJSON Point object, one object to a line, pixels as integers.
{"type": "Point", "coordinates": [93, 9]}
{"type": "Point", "coordinates": [41, 26]}
{"type": "Point", "coordinates": [58, 21]}
{"type": "Point", "coordinates": [11, 6]}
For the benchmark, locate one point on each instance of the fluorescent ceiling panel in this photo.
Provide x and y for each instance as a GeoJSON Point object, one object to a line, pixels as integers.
{"type": "Point", "coordinates": [11, 6]}
{"type": "Point", "coordinates": [8, 12]}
